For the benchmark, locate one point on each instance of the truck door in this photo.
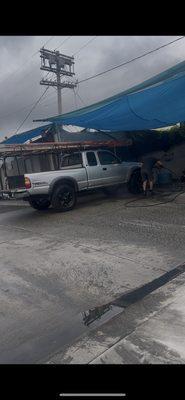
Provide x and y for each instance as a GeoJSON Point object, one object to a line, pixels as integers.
{"type": "Point", "coordinates": [103, 168]}
{"type": "Point", "coordinates": [111, 168]}
{"type": "Point", "coordinates": [92, 168]}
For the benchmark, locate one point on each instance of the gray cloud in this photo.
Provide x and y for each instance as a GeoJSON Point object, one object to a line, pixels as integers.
{"type": "Point", "coordinates": [20, 72]}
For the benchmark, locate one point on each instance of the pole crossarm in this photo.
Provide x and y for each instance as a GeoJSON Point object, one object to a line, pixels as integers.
{"type": "Point", "coordinates": [69, 85]}
{"type": "Point", "coordinates": [52, 69]}
{"type": "Point", "coordinates": [60, 65]}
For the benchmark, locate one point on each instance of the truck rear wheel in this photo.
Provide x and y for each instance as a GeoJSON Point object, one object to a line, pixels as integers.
{"type": "Point", "coordinates": [39, 204]}
{"type": "Point", "coordinates": [135, 182]}
{"type": "Point", "coordinates": [63, 198]}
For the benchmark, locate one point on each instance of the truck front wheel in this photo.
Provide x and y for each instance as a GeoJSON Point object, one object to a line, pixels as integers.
{"type": "Point", "coordinates": [39, 204]}
{"type": "Point", "coordinates": [135, 182]}
{"type": "Point", "coordinates": [63, 198]}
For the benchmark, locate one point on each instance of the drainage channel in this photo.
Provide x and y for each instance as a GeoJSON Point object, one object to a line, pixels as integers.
{"type": "Point", "coordinates": [66, 331]}
{"type": "Point", "coordinates": [96, 317]}
{"type": "Point", "coordinates": [102, 314]}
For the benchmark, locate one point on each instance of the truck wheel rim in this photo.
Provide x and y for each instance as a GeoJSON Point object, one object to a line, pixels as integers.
{"type": "Point", "coordinates": [66, 199]}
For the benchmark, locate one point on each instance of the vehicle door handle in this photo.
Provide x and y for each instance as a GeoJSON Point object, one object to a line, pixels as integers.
{"type": "Point", "coordinates": [105, 169]}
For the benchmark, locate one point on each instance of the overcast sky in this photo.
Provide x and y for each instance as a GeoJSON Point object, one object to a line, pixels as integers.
{"type": "Point", "coordinates": [20, 72]}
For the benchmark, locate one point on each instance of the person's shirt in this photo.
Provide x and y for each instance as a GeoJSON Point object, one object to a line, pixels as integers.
{"type": "Point", "coordinates": [149, 162]}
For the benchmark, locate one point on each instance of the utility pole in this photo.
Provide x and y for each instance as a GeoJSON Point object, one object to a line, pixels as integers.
{"type": "Point", "coordinates": [60, 65]}
{"type": "Point", "coordinates": [59, 94]}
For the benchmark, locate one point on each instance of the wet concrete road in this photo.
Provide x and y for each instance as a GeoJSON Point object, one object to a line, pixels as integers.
{"type": "Point", "coordinates": [55, 266]}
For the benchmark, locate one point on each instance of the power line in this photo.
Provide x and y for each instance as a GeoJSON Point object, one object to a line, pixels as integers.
{"type": "Point", "coordinates": [77, 93]}
{"type": "Point", "coordinates": [47, 42]}
{"type": "Point", "coordinates": [29, 73]}
{"type": "Point", "coordinates": [129, 61]}
{"type": "Point", "coordinates": [21, 109]}
{"type": "Point", "coordinates": [14, 72]}
{"type": "Point", "coordinates": [124, 63]}
{"type": "Point", "coordinates": [22, 123]}
{"type": "Point", "coordinates": [81, 99]}
{"type": "Point", "coordinates": [18, 69]}
{"type": "Point", "coordinates": [36, 52]}
{"type": "Point", "coordinates": [91, 77]}
{"type": "Point", "coordinates": [52, 102]}
{"type": "Point", "coordinates": [101, 73]}
{"type": "Point", "coordinates": [82, 47]}
{"type": "Point", "coordinates": [34, 104]}
{"type": "Point", "coordinates": [44, 46]}
{"type": "Point", "coordinates": [69, 37]}
{"type": "Point", "coordinates": [86, 44]}
{"type": "Point", "coordinates": [75, 98]}
{"type": "Point", "coordinates": [48, 104]}
{"type": "Point", "coordinates": [60, 65]}
{"type": "Point", "coordinates": [17, 111]}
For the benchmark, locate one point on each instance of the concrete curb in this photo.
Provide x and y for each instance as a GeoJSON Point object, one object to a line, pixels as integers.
{"type": "Point", "coordinates": [13, 203]}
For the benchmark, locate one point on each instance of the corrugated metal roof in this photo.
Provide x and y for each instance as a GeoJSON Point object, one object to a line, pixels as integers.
{"type": "Point", "coordinates": [28, 135]}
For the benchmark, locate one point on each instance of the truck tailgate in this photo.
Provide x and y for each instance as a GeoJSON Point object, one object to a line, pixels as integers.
{"type": "Point", "coordinates": [16, 182]}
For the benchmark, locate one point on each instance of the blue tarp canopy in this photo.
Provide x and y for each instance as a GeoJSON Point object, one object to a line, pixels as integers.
{"type": "Point", "coordinates": [155, 103]}
{"type": "Point", "coordinates": [28, 135]}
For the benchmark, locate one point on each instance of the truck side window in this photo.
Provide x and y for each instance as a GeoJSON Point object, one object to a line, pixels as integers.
{"type": "Point", "coordinates": [91, 158]}
{"type": "Point", "coordinates": [107, 158]}
{"type": "Point", "coordinates": [74, 159]}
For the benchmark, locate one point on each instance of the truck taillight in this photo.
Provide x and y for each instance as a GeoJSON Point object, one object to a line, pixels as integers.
{"type": "Point", "coordinates": [27, 183]}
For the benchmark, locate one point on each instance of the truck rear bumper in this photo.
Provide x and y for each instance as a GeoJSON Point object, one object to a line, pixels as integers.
{"type": "Point", "coordinates": [25, 195]}
{"type": "Point", "coordinates": [20, 194]}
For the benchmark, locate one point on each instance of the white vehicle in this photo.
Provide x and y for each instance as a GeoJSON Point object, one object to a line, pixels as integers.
{"type": "Point", "coordinates": [79, 171]}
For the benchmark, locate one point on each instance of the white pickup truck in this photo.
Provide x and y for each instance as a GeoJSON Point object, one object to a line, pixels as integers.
{"type": "Point", "coordinates": [79, 171]}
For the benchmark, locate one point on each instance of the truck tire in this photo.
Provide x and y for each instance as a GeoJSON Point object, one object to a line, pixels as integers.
{"type": "Point", "coordinates": [39, 204]}
{"type": "Point", "coordinates": [135, 182]}
{"type": "Point", "coordinates": [63, 198]}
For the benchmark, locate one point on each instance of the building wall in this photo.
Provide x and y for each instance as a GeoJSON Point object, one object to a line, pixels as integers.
{"type": "Point", "coordinates": [174, 159]}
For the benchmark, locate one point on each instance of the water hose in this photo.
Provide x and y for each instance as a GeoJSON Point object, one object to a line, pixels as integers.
{"type": "Point", "coordinates": [159, 203]}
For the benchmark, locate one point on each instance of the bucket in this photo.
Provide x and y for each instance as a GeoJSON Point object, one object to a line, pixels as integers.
{"type": "Point", "coordinates": [164, 177]}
